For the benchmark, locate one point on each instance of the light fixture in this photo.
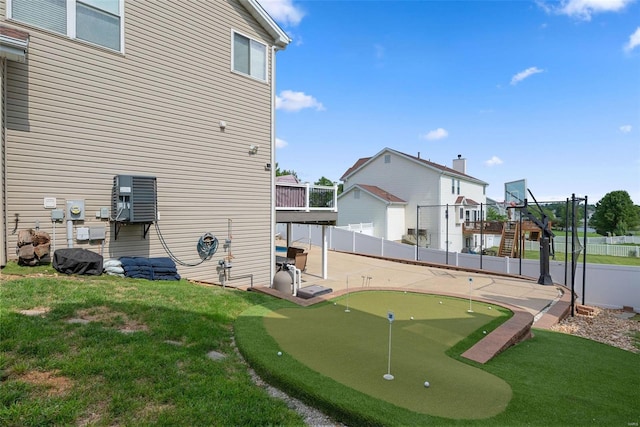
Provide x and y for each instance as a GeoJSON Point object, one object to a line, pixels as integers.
{"type": "Point", "coordinates": [223, 124]}
{"type": "Point", "coordinates": [253, 149]}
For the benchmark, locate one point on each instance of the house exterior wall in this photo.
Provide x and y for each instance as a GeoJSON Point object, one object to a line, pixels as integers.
{"type": "Point", "coordinates": [78, 114]}
{"type": "Point", "coordinates": [422, 186]}
{"type": "Point", "coordinates": [470, 190]}
{"type": "Point", "coordinates": [365, 209]}
{"type": "Point", "coordinates": [401, 177]}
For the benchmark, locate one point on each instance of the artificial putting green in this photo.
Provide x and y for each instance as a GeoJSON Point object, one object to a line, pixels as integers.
{"type": "Point", "coordinates": [353, 348]}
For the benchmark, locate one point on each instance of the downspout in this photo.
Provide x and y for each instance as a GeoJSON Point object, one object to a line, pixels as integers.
{"type": "Point", "coordinates": [3, 205]}
{"type": "Point", "coordinates": [272, 253]}
{"type": "Point", "coordinates": [446, 216]}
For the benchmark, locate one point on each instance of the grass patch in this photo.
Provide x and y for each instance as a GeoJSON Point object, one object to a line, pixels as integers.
{"type": "Point", "coordinates": [53, 372]}
{"type": "Point", "coordinates": [137, 356]}
{"type": "Point", "coordinates": [592, 259]}
{"type": "Point", "coordinates": [556, 379]}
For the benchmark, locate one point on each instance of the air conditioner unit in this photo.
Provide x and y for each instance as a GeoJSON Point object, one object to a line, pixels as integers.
{"type": "Point", "coordinates": [133, 200]}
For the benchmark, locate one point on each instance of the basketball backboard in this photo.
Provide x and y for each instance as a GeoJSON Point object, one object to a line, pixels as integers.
{"type": "Point", "coordinates": [515, 191]}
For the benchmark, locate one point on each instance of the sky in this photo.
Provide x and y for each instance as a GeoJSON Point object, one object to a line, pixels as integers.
{"type": "Point", "coordinates": [546, 91]}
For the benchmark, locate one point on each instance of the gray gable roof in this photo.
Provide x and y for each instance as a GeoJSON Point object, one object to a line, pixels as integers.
{"type": "Point", "coordinates": [378, 193]}
{"type": "Point", "coordinates": [360, 163]}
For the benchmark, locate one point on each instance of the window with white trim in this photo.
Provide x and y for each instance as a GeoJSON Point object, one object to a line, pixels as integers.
{"type": "Point", "coordinates": [95, 21]}
{"type": "Point", "coordinates": [249, 57]}
{"type": "Point", "coordinates": [455, 186]}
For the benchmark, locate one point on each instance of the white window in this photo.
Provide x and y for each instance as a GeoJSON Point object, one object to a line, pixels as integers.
{"type": "Point", "coordinates": [249, 57]}
{"type": "Point", "coordinates": [95, 21]}
{"type": "Point", "coordinates": [387, 158]}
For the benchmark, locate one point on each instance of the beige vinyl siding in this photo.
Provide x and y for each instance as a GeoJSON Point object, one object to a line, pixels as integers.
{"type": "Point", "coordinates": [3, 222]}
{"type": "Point", "coordinates": [78, 115]}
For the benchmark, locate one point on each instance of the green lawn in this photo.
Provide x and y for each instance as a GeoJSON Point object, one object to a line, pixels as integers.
{"type": "Point", "coordinates": [58, 373]}
{"type": "Point", "coordinates": [555, 379]}
{"type": "Point", "coordinates": [53, 372]}
{"type": "Point", "coordinates": [592, 259]}
{"type": "Point", "coordinates": [352, 348]}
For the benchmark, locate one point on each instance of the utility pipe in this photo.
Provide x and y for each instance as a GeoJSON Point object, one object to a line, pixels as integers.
{"type": "Point", "coordinates": [69, 233]}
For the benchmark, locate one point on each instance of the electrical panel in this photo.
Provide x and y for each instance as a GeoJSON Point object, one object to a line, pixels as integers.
{"type": "Point", "coordinates": [57, 215]}
{"type": "Point", "coordinates": [75, 210]}
{"type": "Point", "coordinates": [97, 232]}
{"type": "Point", "coordinates": [134, 199]}
{"type": "Point", "coordinates": [82, 233]}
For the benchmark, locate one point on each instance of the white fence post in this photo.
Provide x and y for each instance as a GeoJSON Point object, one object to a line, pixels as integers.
{"type": "Point", "coordinates": [507, 261]}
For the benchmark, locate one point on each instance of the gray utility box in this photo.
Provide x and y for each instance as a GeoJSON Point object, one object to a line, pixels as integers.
{"type": "Point", "coordinates": [134, 199]}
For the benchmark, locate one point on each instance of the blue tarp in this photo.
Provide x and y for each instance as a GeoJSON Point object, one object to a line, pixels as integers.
{"type": "Point", "coordinates": [150, 268]}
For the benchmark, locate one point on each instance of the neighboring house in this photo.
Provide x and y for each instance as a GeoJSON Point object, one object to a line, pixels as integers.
{"type": "Point", "coordinates": [371, 204]}
{"type": "Point", "coordinates": [387, 189]}
{"type": "Point", "coordinates": [179, 93]}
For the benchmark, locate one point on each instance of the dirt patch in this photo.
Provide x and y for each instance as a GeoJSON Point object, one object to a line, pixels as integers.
{"type": "Point", "coordinates": [112, 318]}
{"type": "Point", "coordinates": [151, 411]}
{"type": "Point", "coordinates": [54, 383]}
{"type": "Point", "coordinates": [35, 311]}
{"type": "Point", "coordinates": [93, 415]}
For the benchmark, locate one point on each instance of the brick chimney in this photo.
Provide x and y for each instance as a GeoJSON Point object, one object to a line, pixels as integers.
{"type": "Point", "coordinates": [460, 164]}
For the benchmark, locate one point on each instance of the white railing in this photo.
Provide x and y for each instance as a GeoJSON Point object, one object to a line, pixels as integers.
{"type": "Point", "coordinates": [363, 227]}
{"type": "Point", "coordinates": [611, 250]}
{"type": "Point", "coordinates": [306, 197]}
{"type": "Point", "coordinates": [615, 240]}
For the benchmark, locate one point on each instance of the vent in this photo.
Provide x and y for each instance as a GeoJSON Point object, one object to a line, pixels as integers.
{"type": "Point", "coordinates": [133, 200]}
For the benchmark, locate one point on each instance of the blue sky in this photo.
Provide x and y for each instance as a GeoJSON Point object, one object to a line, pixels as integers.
{"type": "Point", "coordinates": [543, 91]}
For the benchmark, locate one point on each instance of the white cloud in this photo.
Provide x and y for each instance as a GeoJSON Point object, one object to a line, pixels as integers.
{"type": "Point", "coordinates": [281, 143]}
{"type": "Point", "coordinates": [289, 100]}
{"type": "Point", "coordinates": [584, 9]}
{"type": "Point", "coordinates": [634, 41]}
{"type": "Point", "coordinates": [524, 74]}
{"type": "Point", "coordinates": [493, 161]}
{"type": "Point", "coordinates": [625, 128]}
{"type": "Point", "coordinates": [435, 134]}
{"type": "Point", "coordinates": [283, 11]}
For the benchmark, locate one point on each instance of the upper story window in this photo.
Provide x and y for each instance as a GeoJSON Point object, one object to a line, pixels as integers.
{"type": "Point", "coordinates": [95, 21]}
{"type": "Point", "coordinates": [455, 186]}
{"type": "Point", "coordinates": [387, 158]}
{"type": "Point", "coordinates": [249, 57]}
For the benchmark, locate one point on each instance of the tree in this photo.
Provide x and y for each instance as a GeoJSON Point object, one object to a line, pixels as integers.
{"type": "Point", "coordinates": [285, 172]}
{"type": "Point", "coordinates": [324, 181]}
{"type": "Point", "coordinates": [320, 197]}
{"type": "Point", "coordinates": [563, 216]}
{"type": "Point", "coordinates": [615, 213]}
{"type": "Point", "coordinates": [494, 215]}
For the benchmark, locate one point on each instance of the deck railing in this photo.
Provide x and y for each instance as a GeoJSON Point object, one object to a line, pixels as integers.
{"type": "Point", "coordinates": [306, 197]}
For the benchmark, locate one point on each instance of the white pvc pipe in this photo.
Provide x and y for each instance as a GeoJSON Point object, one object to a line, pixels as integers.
{"type": "Point", "coordinates": [297, 278]}
{"type": "Point", "coordinates": [69, 233]}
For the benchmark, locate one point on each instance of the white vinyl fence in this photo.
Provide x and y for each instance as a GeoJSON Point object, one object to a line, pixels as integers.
{"type": "Point", "coordinates": [592, 249]}
{"type": "Point", "coordinates": [608, 286]}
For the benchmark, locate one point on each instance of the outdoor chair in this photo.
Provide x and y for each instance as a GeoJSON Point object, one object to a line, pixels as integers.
{"type": "Point", "coordinates": [299, 256]}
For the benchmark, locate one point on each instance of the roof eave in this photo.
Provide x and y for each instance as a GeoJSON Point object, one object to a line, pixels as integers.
{"type": "Point", "coordinates": [13, 49]}
{"type": "Point", "coordinates": [280, 38]}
